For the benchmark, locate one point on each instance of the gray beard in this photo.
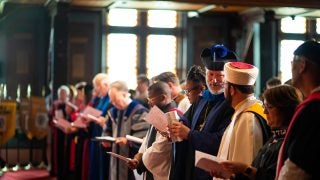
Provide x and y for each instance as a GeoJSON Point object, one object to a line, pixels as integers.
{"type": "Point", "coordinates": [216, 92]}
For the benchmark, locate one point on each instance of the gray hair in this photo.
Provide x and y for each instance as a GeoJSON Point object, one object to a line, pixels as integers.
{"type": "Point", "coordinates": [100, 78]}
{"type": "Point", "coordinates": [119, 86]}
{"type": "Point", "coordinates": [65, 88]}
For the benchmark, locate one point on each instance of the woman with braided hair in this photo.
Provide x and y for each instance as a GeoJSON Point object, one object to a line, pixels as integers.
{"type": "Point", "coordinates": [195, 85]}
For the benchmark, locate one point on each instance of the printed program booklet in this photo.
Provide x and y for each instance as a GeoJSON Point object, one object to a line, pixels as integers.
{"type": "Point", "coordinates": [210, 163]}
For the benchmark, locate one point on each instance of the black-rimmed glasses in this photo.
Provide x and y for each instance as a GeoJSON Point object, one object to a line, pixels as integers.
{"type": "Point", "coordinates": [187, 91]}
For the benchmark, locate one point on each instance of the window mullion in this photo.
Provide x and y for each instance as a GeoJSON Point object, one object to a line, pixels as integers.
{"type": "Point", "coordinates": [142, 43]}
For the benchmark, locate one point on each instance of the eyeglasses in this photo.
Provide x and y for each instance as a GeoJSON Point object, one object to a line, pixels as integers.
{"type": "Point", "coordinates": [151, 99]}
{"type": "Point", "coordinates": [187, 91]}
{"type": "Point", "coordinates": [296, 59]}
{"type": "Point", "coordinates": [267, 107]}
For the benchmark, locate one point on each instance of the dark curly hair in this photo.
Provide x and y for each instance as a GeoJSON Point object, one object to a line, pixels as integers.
{"type": "Point", "coordinates": [196, 74]}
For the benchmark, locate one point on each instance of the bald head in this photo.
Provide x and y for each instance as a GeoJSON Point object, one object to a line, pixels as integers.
{"type": "Point", "coordinates": [160, 88]}
{"type": "Point", "coordinates": [159, 94]}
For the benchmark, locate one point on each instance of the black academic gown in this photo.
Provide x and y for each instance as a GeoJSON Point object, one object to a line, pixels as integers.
{"type": "Point", "coordinates": [129, 121]}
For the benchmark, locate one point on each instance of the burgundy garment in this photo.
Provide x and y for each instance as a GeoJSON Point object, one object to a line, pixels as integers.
{"type": "Point", "coordinates": [73, 145]}
{"type": "Point", "coordinates": [85, 160]}
{"type": "Point", "coordinates": [312, 97]}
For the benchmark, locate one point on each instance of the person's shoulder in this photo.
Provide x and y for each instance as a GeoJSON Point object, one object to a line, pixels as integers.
{"type": "Point", "coordinates": [139, 108]}
{"type": "Point", "coordinates": [314, 104]}
{"type": "Point", "coordinates": [226, 104]}
{"type": "Point", "coordinates": [312, 107]}
{"type": "Point", "coordinates": [179, 98]}
{"type": "Point", "coordinates": [201, 99]}
{"type": "Point", "coordinates": [184, 102]}
{"type": "Point", "coordinates": [310, 112]}
{"type": "Point", "coordinates": [247, 116]}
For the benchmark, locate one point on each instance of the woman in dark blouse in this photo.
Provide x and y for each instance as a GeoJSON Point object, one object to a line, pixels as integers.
{"type": "Point", "coordinates": [280, 103]}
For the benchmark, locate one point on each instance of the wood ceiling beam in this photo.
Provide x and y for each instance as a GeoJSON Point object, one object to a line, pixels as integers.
{"type": "Point", "coordinates": [252, 3]}
{"type": "Point", "coordinates": [260, 3]}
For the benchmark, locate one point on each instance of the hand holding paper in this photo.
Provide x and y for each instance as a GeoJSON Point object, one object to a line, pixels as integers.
{"type": "Point", "coordinates": [211, 164]}
{"type": "Point", "coordinates": [120, 157]}
{"type": "Point", "coordinates": [134, 139]}
{"type": "Point", "coordinates": [237, 167]}
{"type": "Point", "coordinates": [180, 130]}
{"type": "Point", "coordinates": [133, 164]}
{"type": "Point", "coordinates": [121, 141]}
{"type": "Point", "coordinates": [173, 117]}
{"type": "Point", "coordinates": [104, 138]}
{"type": "Point", "coordinates": [62, 124]}
{"type": "Point", "coordinates": [79, 123]}
{"type": "Point", "coordinates": [91, 113]}
{"type": "Point", "coordinates": [163, 122]}
{"type": "Point", "coordinates": [157, 118]}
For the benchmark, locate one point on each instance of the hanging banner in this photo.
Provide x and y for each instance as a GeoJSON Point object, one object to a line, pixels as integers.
{"type": "Point", "coordinates": [38, 121]}
{"type": "Point", "coordinates": [7, 120]}
{"type": "Point", "coordinates": [24, 115]}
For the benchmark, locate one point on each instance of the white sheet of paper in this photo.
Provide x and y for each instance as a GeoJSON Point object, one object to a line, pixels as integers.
{"type": "Point", "coordinates": [93, 117]}
{"type": "Point", "coordinates": [134, 139]}
{"type": "Point", "coordinates": [210, 163]}
{"type": "Point", "coordinates": [157, 118]}
{"type": "Point", "coordinates": [91, 113]}
{"type": "Point", "coordinates": [73, 106]}
{"type": "Point", "coordinates": [105, 138]}
{"type": "Point", "coordinates": [119, 156]}
{"type": "Point", "coordinates": [62, 124]}
{"type": "Point", "coordinates": [173, 117]}
{"type": "Point", "coordinates": [58, 114]}
{"type": "Point", "coordinates": [78, 123]}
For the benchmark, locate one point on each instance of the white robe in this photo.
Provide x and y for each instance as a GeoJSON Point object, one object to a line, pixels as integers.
{"type": "Point", "coordinates": [184, 104]}
{"type": "Point", "coordinates": [157, 158]}
{"type": "Point", "coordinates": [246, 138]}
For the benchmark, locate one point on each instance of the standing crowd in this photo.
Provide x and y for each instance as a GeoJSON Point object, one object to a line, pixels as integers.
{"type": "Point", "coordinates": [270, 137]}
